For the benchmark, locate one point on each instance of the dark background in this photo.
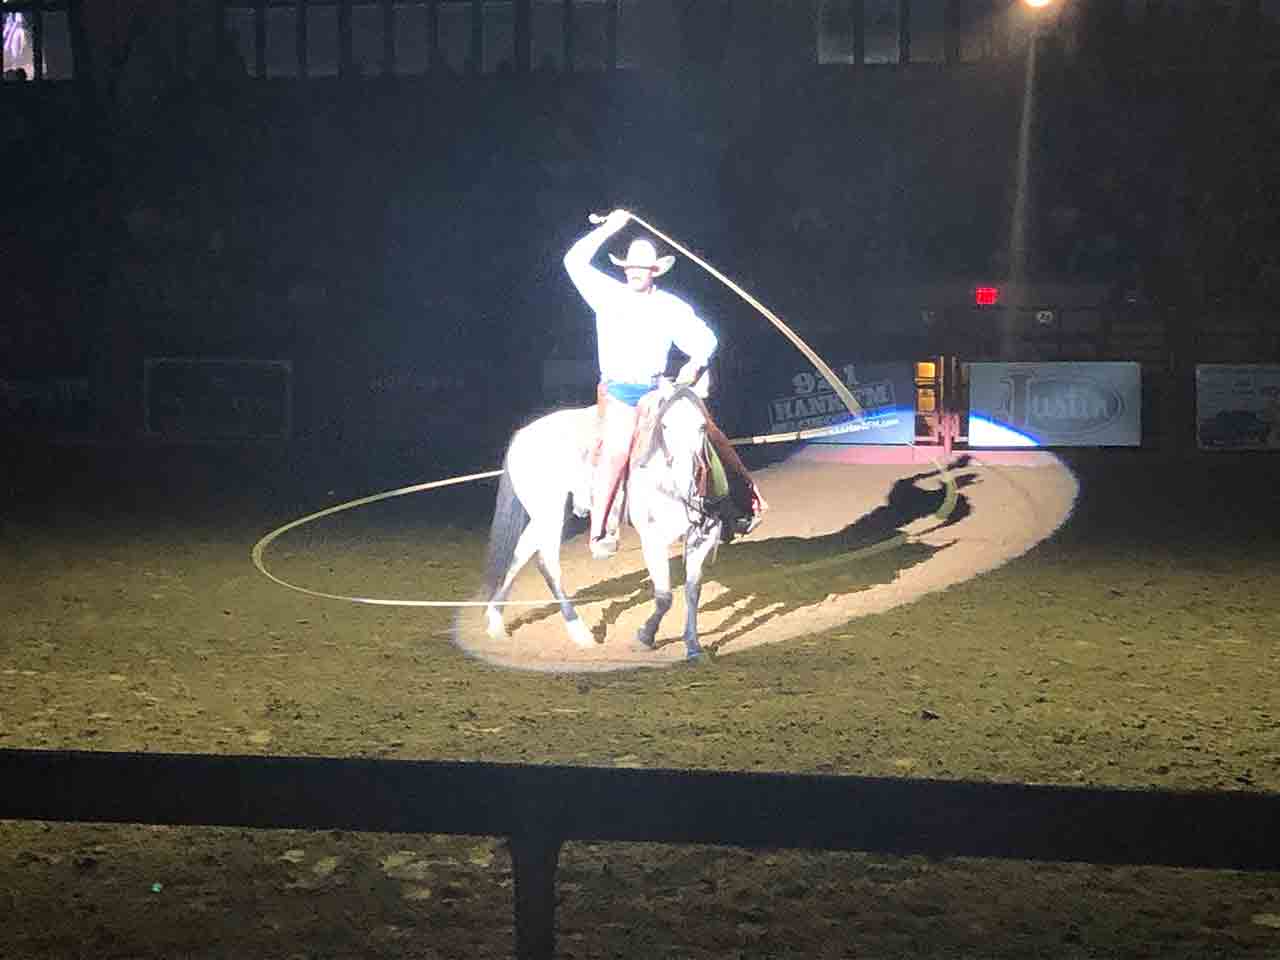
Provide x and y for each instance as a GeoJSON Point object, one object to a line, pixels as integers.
{"type": "Point", "coordinates": [397, 239]}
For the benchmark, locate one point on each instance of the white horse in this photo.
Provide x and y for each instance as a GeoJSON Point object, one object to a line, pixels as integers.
{"type": "Point", "coordinates": [547, 465]}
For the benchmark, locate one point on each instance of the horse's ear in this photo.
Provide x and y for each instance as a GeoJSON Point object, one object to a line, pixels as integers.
{"type": "Point", "coordinates": [702, 386]}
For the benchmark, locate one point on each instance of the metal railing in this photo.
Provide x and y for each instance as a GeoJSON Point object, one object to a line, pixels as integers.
{"type": "Point", "coordinates": [304, 38]}
{"type": "Point", "coordinates": [539, 808]}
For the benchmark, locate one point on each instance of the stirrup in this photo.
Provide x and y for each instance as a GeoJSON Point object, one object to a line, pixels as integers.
{"type": "Point", "coordinates": [604, 547]}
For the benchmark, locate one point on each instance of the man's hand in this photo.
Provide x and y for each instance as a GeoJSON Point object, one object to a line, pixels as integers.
{"type": "Point", "coordinates": [695, 376]}
{"type": "Point", "coordinates": [614, 221]}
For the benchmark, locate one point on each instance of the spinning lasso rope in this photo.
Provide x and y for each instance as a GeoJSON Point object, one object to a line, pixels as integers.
{"type": "Point", "coordinates": [836, 384]}
{"type": "Point", "coordinates": [262, 544]}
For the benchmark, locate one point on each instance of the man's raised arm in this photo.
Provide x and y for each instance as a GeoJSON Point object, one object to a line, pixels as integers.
{"type": "Point", "coordinates": [594, 285]}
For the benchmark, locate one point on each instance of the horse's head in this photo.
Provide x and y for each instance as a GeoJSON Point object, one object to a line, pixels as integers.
{"type": "Point", "coordinates": [685, 416]}
{"type": "Point", "coordinates": [682, 422]}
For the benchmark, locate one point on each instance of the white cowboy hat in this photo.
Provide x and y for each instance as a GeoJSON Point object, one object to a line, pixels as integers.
{"type": "Point", "coordinates": [642, 254]}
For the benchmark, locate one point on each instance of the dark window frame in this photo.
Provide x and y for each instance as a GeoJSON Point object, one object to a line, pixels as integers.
{"type": "Point", "coordinates": [436, 59]}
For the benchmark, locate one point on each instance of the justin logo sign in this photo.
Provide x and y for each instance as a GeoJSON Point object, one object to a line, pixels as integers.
{"type": "Point", "coordinates": [1055, 404]}
{"type": "Point", "coordinates": [1070, 406]}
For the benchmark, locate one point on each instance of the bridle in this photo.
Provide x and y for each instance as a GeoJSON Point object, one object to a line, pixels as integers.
{"type": "Point", "coordinates": [694, 504]}
{"type": "Point", "coordinates": [659, 441]}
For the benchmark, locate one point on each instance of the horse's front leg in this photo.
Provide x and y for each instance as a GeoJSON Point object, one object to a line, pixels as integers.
{"type": "Point", "coordinates": [655, 558]}
{"type": "Point", "coordinates": [697, 547]}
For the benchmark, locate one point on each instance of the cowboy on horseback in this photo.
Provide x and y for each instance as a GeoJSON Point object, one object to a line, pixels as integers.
{"type": "Point", "coordinates": [636, 326]}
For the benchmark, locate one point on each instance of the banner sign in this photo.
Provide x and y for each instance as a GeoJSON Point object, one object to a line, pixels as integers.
{"type": "Point", "coordinates": [1055, 404]}
{"type": "Point", "coordinates": [216, 398]}
{"type": "Point", "coordinates": [1238, 406]}
{"type": "Point", "coordinates": [885, 392]}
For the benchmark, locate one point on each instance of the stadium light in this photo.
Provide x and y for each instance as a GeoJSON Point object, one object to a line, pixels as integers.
{"type": "Point", "coordinates": [1037, 4]}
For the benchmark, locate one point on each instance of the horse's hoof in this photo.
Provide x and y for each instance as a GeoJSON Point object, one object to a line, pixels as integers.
{"type": "Point", "coordinates": [644, 642]}
{"type": "Point", "coordinates": [580, 634]}
{"type": "Point", "coordinates": [698, 658]}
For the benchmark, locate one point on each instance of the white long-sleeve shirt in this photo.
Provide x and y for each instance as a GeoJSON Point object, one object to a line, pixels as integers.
{"type": "Point", "coordinates": [635, 331]}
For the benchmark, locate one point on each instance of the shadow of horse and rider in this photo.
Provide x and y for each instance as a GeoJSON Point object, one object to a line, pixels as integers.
{"type": "Point", "coordinates": [769, 578]}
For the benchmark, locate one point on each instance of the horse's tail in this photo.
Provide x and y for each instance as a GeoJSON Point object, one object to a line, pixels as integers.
{"type": "Point", "coordinates": [509, 520]}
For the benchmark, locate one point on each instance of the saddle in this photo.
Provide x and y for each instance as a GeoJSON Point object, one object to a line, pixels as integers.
{"type": "Point", "coordinates": [713, 485]}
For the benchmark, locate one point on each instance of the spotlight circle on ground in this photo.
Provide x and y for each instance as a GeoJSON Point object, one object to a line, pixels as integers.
{"type": "Point", "coordinates": [850, 532]}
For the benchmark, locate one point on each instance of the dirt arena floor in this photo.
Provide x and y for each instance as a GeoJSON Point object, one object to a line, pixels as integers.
{"type": "Point", "coordinates": [833, 548]}
{"type": "Point", "coordinates": [1109, 619]}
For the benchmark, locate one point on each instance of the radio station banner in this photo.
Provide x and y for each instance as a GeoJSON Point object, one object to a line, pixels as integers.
{"type": "Point", "coordinates": [803, 400]}
{"type": "Point", "coordinates": [217, 398]}
{"type": "Point", "coordinates": [1055, 404]}
{"type": "Point", "coordinates": [1238, 406]}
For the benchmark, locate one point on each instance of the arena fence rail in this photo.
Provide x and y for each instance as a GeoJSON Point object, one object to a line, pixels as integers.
{"type": "Point", "coordinates": [540, 807]}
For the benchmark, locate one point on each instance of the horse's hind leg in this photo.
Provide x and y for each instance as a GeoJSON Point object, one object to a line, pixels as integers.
{"type": "Point", "coordinates": [549, 564]}
{"type": "Point", "coordinates": [525, 548]}
{"type": "Point", "coordinates": [655, 558]}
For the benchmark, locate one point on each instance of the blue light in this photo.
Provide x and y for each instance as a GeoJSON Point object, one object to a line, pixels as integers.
{"type": "Point", "coordinates": [993, 433]}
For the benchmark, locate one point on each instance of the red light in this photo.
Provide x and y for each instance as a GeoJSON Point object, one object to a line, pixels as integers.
{"type": "Point", "coordinates": [986, 296]}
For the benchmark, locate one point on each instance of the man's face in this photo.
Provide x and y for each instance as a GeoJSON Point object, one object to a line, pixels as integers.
{"type": "Point", "coordinates": [639, 279]}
